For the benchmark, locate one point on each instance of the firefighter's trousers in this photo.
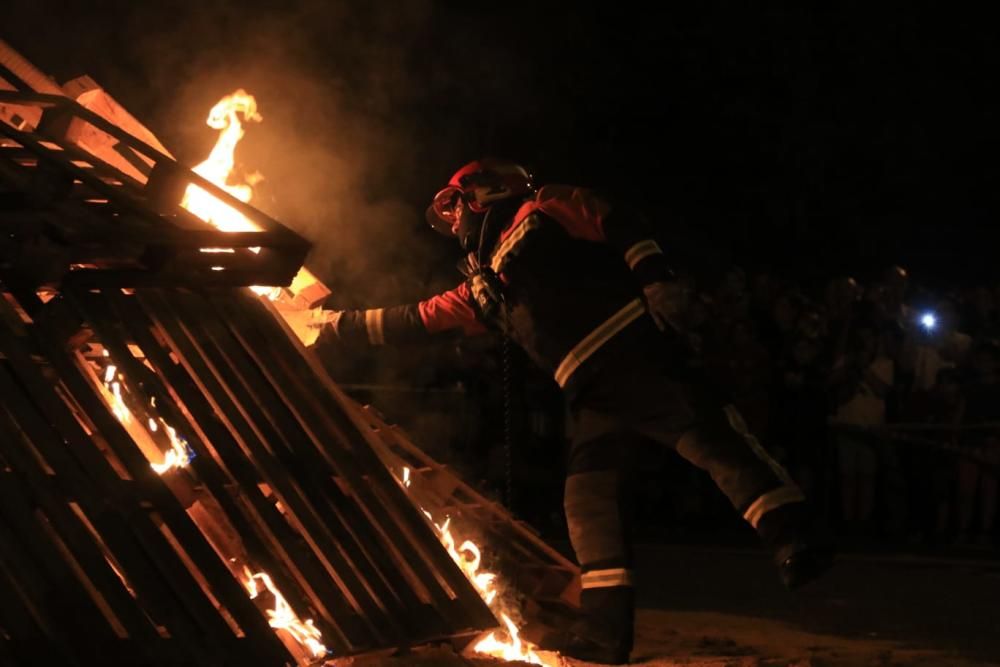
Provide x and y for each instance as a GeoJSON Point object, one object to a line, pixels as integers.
{"type": "Point", "coordinates": [622, 421]}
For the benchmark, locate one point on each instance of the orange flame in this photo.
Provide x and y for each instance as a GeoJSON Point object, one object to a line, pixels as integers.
{"type": "Point", "coordinates": [282, 617]}
{"type": "Point", "coordinates": [178, 456]}
{"type": "Point", "coordinates": [468, 557]}
{"type": "Point", "coordinates": [226, 116]}
{"type": "Point", "coordinates": [514, 649]}
{"type": "Point", "coordinates": [217, 168]}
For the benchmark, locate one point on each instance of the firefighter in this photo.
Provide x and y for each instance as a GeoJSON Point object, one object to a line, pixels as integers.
{"type": "Point", "coordinates": [583, 287]}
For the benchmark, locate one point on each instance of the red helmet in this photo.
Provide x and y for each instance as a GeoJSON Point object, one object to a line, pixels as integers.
{"type": "Point", "coordinates": [478, 185]}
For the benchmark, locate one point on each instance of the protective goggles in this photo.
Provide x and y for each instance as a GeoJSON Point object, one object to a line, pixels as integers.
{"type": "Point", "coordinates": [444, 211]}
{"type": "Point", "coordinates": [446, 202]}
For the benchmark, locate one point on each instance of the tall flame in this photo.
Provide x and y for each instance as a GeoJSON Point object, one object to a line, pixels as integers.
{"type": "Point", "coordinates": [225, 116]}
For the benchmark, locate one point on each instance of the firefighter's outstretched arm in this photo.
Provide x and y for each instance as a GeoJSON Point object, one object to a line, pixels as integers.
{"type": "Point", "coordinates": [450, 311]}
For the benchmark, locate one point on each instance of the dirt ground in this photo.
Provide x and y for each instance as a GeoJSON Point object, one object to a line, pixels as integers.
{"type": "Point", "coordinates": [705, 607]}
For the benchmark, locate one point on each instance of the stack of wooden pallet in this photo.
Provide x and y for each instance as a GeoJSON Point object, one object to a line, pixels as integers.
{"type": "Point", "coordinates": [180, 482]}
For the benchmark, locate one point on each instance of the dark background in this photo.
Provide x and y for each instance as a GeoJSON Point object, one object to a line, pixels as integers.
{"type": "Point", "coordinates": [815, 143]}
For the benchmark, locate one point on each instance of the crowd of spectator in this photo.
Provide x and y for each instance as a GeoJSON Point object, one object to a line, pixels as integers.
{"type": "Point", "coordinates": [882, 399]}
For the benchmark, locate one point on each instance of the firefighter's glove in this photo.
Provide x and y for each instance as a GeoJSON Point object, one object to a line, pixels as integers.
{"type": "Point", "coordinates": [487, 290]}
{"type": "Point", "coordinates": [326, 320]}
{"type": "Point", "coordinates": [666, 303]}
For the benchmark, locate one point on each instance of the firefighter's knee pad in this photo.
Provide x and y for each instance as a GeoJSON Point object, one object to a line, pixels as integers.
{"type": "Point", "coordinates": [594, 514]}
{"type": "Point", "coordinates": [608, 450]}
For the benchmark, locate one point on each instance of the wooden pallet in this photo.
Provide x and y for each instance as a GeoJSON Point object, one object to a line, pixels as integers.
{"type": "Point", "coordinates": [527, 562]}
{"type": "Point", "coordinates": [541, 586]}
{"type": "Point", "coordinates": [282, 481]}
{"type": "Point", "coordinates": [71, 215]}
{"type": "Point", "coordinates": [105, 561]}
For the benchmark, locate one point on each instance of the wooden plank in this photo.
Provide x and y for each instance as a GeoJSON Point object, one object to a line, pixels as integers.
{"type": "Point", "coordinates": [24, 596]}
{"type": "Point", "coordinates": [25, 642]}
{"type": "Point", "coordinates": [224, 586]}
{"type": "Point", "coordinates": [54, 504]}
{"type": "Point", "coordinates": [149, 562]}
{"type": "Point", "coordinates": [522, 534]}
{"type": "Point", "coordinates": [200, 403]}
{"type": "Point", "coordinates": [21, 516]}
{"type": "Point", "coordinates": [170, 168]}
{"type": "Point", "coordinates": [319, 385]}
{"type": "Point", "coordinates": [179, 276]}
{"type": "Point", "coordinates": [505, 551]}
{"type": "Point", "coordinates": [540, 574]}
{"type": "Point", "coordinates": [61, 599]}
{"type": "Point", "coordinates": [316, 407]}
{"type": "Point", "coordinates": [153, 594]}
{"type": "Point", "coordinates": [25, 75]}
{"type": "Point", "coordinates": [55, 170]}
{"type": "Point", "coordinates": [16, 618]}
{"type": "Point", "coordinates": [201, 352]}
{"type": "Point", "coordinates": [239, 465]}
{"type": "Point", "coordinates": [290, 423]}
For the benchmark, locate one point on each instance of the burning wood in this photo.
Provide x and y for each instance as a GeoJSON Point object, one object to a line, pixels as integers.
{"type": "Point", "coordinates": [468, 557]}
{"type": "Point", "coordinates": [287, 515]}
{"type": "Point", "coordinates": [282, 617]}
{"type": "Point", "coordinates": [225, 117]}
{"type": "Point", "coordinates": [179, 454]}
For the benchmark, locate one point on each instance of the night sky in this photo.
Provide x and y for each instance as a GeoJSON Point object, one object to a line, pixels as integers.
{"type": "Point", "coordinates": [813, 143]}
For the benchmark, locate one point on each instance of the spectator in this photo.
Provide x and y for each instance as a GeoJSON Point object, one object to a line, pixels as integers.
{"type": "Point", "coordinates": [860, 379]}
{"type": "Point", "coordinates": [977, 472]}
{"type": "Point", "coordinates": [932, 467]}
{"type": "Point", "coordinates": [776, 331]}
{"type": "Point", "coordinates": [799, 411]}
{"type": "Point", "coordinates": [979, 318]}
{"type": "Point", "coordinates": [732, 303]}
{"type": "Point", "coordinates": [934, 343]}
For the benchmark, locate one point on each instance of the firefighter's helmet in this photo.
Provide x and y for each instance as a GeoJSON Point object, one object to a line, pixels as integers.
{"type": "Point", "coordinates": [478, 185]}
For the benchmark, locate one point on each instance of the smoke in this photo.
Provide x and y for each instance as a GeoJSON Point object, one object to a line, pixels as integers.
{"type": "Point", "coordinates": [358, 128]}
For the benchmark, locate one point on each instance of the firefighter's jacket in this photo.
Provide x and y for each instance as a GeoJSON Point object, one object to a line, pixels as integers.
{"type": "Point", "coordinates": [570, 271]}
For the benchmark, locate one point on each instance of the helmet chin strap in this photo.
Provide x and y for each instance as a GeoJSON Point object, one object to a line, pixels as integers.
{"type": "Point", "coordinates": [493, 223]}
{"type": "Point", "coordinates": [470, 230]}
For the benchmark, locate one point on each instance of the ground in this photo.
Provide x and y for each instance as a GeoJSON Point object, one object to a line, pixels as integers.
{"type": "Point", "coordinates": [716, 607]}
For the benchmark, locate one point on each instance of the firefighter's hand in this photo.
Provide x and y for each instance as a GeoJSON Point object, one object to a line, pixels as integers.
{"type": "Point", "coordinates": [666, 301]}
{"type": "Point", "coordinates": [326, 320]}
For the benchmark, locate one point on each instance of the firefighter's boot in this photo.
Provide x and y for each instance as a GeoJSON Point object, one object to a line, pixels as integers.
{"type": "Point", "coordinates": [603, 633]}
{"type": "Point", "coordinates": [801, 552]}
